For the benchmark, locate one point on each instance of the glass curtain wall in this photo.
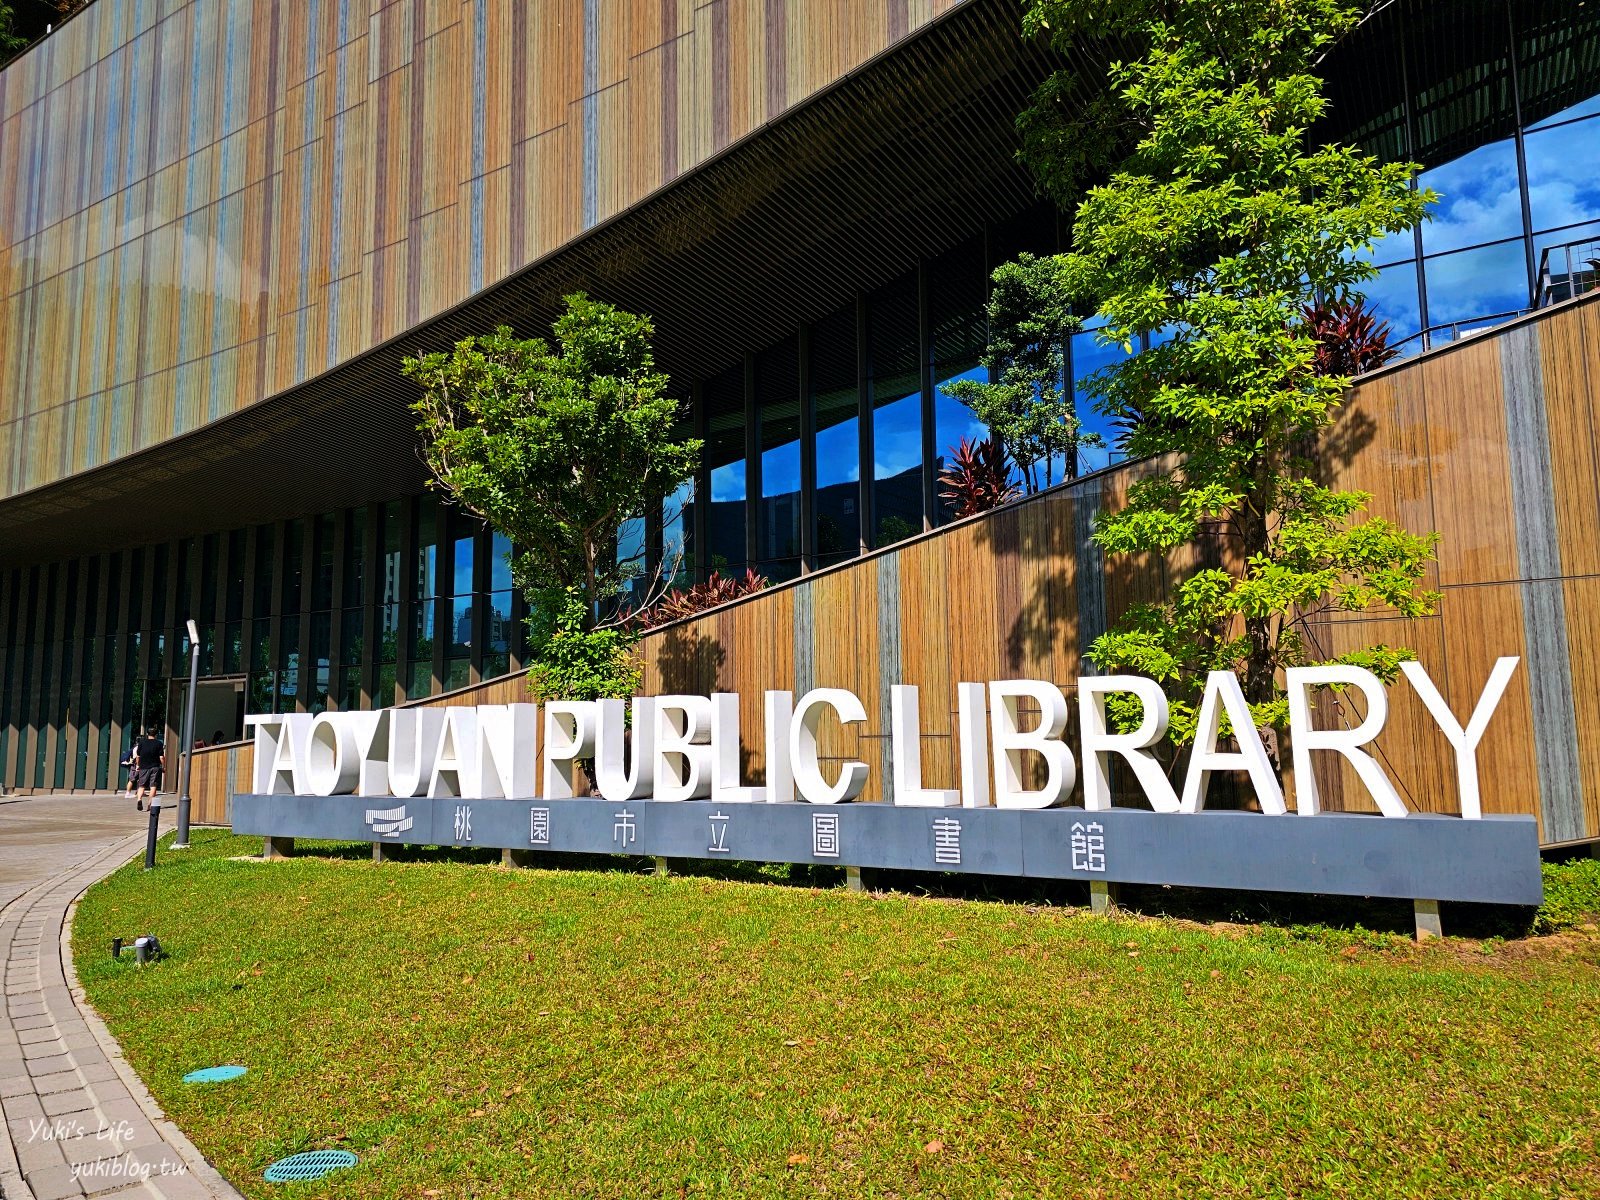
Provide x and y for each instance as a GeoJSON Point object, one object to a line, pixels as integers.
{"type": "Point", "coordinates": [391, 602]}
{"type": "Point", "coordinates": [424, 597]}
{"type": "Point", "coordinates": [894, 389]}
{"type": "Point", "coordinates": [723, 400]}
{"type": "Point", "coordinates": [93, 648]}
{"type": "Point", "coordinates": [835, 399]}
{"type": "Point", "coordinates": [353, 614]}
{"type": "Point", "coordinates": [500, 609]}
{"type": "Point", "coordinates": [957, 336]}
{"type": "Point", "coordinates": [1500, 103]}
{"type": "Point", "coordinates": [290, 698]}
{"type": "Point", "coordinates": [777, 384]}
{"type": "Point", "coordinates": [463, 604]}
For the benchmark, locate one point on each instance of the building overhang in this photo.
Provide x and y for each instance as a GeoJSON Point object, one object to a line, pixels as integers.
{"type": "Point", "coordinates": [898, 160]}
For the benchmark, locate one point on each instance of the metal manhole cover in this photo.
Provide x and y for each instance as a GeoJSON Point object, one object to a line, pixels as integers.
{"type": "Point", "coordinates": [313, 1164]}
{"type": "Point", "coordinates": [213, 1074]}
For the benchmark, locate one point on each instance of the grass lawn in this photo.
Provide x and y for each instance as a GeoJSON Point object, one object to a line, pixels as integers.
{"type": "Point", "coordinates": [470, 1031]}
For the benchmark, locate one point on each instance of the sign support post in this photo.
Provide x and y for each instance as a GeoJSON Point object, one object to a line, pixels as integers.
{"type": "Point", "coordinates": [1427, 918]}
{"type": "Point", "coordinates": [182, 840]}
{"type": "Point", "coordinates": [1102, 897]}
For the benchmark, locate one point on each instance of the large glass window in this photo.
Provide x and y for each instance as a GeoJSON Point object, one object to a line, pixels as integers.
{"type": "Point", "coordinates": [355, 560]}
{"type": "Point", "coordinates": [1393, 295]}
{"type": "Point", "coordinates": [392, 601]}
{"type": "Point", "coordinates": [232, 648]}
{"type": "Point", "coordinates": [157, 647]}
{"type": "Point", "coordinates": [321, 656]}
{"type": "Point", "coordinates": [234, 605]}
{"type": "Point", "coordinates": [1478, 199]}
{"type": "Point", "coordinates": [499, 631]}
{"type": "Point", "coordinates": [1563, 174]}
{"type": "Point", "coordinates": [1089, 354]}
{"type": "Point", "coordinates": [322, 583]}
{"type": "Point", "coordinates": [350, 689]}
{"type": "Point", "coordinates": [677, 515]}
{"type": "Point", "coordinates": [293, 558]}
{"type": "Point", "coordinates": [723, 398]}
{"type": "Point", "coordinates": [206, 605]}
{"type": "Point", "coordinates": [1459, 119]}
{"type": "Point", "coordinates": [463, 564]}
{"type": "Point", "coordinates": [289, 666]}
{"type": "Point", "coordinates": [425, 575]}
{"type": "Point", "coordinates": [836, 412]}
{"type": "Point", "coordinates": [1472, 286]}
{"type": "Point", "coordinates": [352, 636]}
{"type": "Point", "coordinates": [957, 335]}
{"type": "Point", "coordinates": [778, 409]}
{"type": "Point", "coordinates": [632, 545]}
{"type": "Point", "coordinates": [265, 544]}
{"type": "Point", "coordinates": [895, 385]}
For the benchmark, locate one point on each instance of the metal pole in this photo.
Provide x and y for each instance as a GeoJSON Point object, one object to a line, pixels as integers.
{"type": "Point", "coordinates": [150, 835]}
{"type": "Point", "coordinates": [182, 842]}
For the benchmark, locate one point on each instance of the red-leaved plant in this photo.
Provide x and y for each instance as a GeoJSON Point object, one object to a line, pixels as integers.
{"type": "Point", "coordinates": [978, 477]}
{"type": "Point", "coordinates": [1350, 340]}
{"type": "Point", "coordinates": [690, 601]}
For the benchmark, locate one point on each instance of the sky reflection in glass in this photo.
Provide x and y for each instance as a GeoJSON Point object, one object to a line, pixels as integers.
{"type": "Point", "coordinates": [1089, 355]}
{"type": "Point", "coordinates": [1564, 174]}
{"type": "Point", "coordinates": [1478, 199]}
{"type": "Point", "coordinates": [1472, 284]}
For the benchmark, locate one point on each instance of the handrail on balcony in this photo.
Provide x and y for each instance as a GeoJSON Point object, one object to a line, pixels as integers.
{"type": "Point", "coordinates": [1568, 271]}
{"type": "Point", "coordinates": [1454, 331]}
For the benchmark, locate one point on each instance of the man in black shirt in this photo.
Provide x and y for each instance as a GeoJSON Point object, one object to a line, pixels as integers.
{"type": "Point", "coordinates": [149, 758]}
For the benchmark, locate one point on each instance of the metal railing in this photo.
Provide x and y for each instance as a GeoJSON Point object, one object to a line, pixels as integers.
{"type": "Point", "coordinates": [1565, 272]}
{"type": "Point", "coordinates": [1568, 271]}
{"type": "Point", "coordinates": [1454, 331]}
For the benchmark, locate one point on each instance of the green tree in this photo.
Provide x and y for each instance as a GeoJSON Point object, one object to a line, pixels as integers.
{"type": "Point", "coordinates": [1219, 225]}
{"type": "Point", "coordinates": [556, 446]}
{"type": "Point", "coordinates": [1027, 404]}
{"type": "Point", "coordinates": [12, 43]}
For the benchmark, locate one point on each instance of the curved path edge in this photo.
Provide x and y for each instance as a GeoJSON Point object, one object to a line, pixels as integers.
{"type": "Point", "coordinates": [78, 1120]}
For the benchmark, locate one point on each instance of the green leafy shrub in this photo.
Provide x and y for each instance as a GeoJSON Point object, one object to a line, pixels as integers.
{"type": "Point", "coordinates": [1571, 894]}
{"type": "Point", "coordinates": [575, 663]}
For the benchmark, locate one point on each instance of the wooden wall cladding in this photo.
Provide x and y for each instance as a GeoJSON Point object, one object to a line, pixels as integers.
{"type": "Point", "coordinates": [1492, 442]}
{"type": "Point", "coordinates": [210, 201]}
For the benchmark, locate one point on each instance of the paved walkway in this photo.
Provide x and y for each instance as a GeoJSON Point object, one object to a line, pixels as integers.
{"type": "Point", "coordinates": [78, 1121]}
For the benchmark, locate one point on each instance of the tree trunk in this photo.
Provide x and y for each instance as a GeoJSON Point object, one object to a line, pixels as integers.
{"type": "Point", "coordinates": [1260, 674]}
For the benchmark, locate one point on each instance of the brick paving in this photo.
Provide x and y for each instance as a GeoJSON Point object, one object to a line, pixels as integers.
{"type": "Point", "coordinates": [77, 1119]}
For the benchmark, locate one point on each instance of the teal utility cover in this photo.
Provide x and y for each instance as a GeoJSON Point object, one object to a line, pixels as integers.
{"type": "Point", "coordinates": [313, 1164]}
{"type": "Point", "coordinates": [213, 1074]}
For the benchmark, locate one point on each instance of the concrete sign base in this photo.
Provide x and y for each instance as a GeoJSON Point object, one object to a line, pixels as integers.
{"type": "Point", "coordinates": [1494, 860]}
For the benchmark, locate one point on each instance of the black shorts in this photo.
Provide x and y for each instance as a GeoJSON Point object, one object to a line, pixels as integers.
{"type": "Point", "coordinates": [147, 778]}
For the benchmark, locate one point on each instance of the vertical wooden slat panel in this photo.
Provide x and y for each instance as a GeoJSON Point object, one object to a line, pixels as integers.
{"type": "Point", "coordinates": [281, 187]}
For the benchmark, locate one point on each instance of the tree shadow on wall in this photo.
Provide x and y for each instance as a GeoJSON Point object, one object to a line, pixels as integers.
{"type": "Point", "coordinates": [689, 662]}
{"type": "Point", "coordinates": [1353, 431]}
{"type": "Point", "coordinates": [1040, 609]}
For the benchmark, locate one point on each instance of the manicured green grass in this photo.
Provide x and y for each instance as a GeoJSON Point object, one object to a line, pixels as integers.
{"type": "Point", "coordinates": [472, 1031]}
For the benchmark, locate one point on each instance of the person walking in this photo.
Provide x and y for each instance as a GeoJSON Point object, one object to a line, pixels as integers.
{"type": "Point", "coordinates": [130, 763]}
{"type": "Point", "coordinates": [150, 758]}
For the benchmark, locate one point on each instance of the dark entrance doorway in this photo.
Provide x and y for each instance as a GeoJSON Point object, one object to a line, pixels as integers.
{"type": "Point", "coordinates": [218, 715]}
